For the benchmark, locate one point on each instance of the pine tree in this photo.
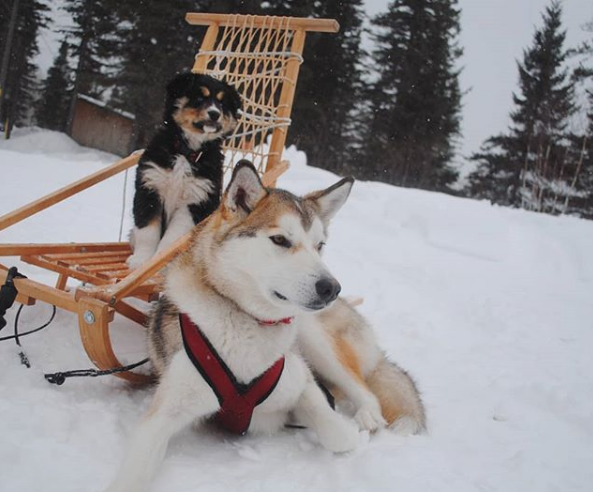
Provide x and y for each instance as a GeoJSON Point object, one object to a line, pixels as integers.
{"type": "Point", "coordinates": [21, 84]}
{"type": "Point", "coordinates": [158, 44]}
{"type": "Point", "coordinates": [530, 166]}
{"type": "Point", "coordinates": [582, 145]}
{"type": "Point", "coordinates": [330, 89]}
{"type": "Point", "coordinates": [414, 104]}
{"type": "Point", "coordinates": [94, 41]}
{"type": "Point", "coordinates": [54, 102]}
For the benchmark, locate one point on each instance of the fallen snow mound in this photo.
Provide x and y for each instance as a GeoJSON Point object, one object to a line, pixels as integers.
{"type": "Point", "coordinates": [488, 308]}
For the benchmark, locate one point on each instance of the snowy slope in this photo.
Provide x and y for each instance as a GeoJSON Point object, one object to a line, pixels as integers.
{"type": "Point", "coordinates": [490, 309]}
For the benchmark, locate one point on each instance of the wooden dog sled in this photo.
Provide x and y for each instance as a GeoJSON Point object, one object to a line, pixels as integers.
{"type": "Point", "coordinates": [260, 56]}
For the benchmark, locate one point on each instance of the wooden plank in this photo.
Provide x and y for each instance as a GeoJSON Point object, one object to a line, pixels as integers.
{"type": "Point", "coordinates": [132, 313]}
{"type": "Point", "coordinates": [29, 289]}
{"type": "Point", "coordinates": [86, 262]}
{"type": "Point", "coordinates": [82, 258]}
{"type": "Point", "coordinates": [67, 191]}
{"type": "Point", "coordinates": [147, 291]}
{"type": "Point", "coordinates": [302, 23]}
{"type": "Point", "coordinates": [62, 281]}
{"type": "Point", "coordinates": [118, 274]}
{"type": "Point", "coordinates": [208, 44]}
{"type": "Point", "coordinates": [77, 274]}
{"type": "Point", "coordinates": [102, 268]}
{"type": "Point", "coordinates": [285, 102]}
{"type": "Point", "coordinates": [27, 249]}
{"type": "Point", "coordinates": [270, 177]}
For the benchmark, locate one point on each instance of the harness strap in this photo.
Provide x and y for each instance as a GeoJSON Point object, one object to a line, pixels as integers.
{"type": "Point", "coordinates": [8, 293]}
{"type": "Point", "coordinates": [237, 400]}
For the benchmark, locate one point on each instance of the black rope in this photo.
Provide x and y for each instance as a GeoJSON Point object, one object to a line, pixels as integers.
{"type": "Point", "coordinates": [59, 378]}
{"type": "Point", "coordinates": [18, 335]}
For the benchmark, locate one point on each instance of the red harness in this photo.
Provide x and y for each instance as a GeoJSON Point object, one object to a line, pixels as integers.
{"type": "Point", "coordinates": [237, 400]}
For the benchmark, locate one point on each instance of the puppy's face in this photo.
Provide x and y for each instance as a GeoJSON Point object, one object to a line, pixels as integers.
{"type": "Point", "coordinates": [202, 105]}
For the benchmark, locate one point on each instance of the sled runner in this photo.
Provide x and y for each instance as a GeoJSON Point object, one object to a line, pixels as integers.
{"type": "Point", "coordinates": [260, 56]}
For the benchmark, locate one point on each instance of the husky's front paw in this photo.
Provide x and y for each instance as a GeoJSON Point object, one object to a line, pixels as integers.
{"type": "Point", "coordinates": [370, 418]}
{"type": "Point", "coordinates": [339, 435]}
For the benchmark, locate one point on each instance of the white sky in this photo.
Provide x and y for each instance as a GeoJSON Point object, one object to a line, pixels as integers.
{"type": "Point", "coordinates": [494, 34]}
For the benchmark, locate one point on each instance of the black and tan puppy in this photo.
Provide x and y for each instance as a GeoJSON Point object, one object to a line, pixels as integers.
{"type": "Point", "coordinates": [179, 177]}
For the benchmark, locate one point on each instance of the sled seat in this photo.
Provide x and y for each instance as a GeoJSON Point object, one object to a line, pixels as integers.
{"type": "Point", "coordinates": [260, 56]}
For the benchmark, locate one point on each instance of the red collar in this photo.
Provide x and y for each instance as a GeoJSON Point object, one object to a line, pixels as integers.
{"type": "Point", "coordinates": [269, 322]}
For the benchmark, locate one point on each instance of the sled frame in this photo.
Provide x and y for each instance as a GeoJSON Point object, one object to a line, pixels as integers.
{"type": "Point", "coordinates": [261, 56]}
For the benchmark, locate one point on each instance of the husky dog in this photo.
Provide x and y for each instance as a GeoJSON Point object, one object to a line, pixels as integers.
{"type": "Point", "coordinates": [249, 292]}
{"type": "Point", "coordinates": [179, 176]}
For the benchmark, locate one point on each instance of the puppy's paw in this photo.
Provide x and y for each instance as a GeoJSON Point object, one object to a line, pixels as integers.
{"type": "Point", "coordinates": [137, 260]}
{"type": "Point", "coordinates": [406, 425]}
{"type": "Point", "coordinates": [338, 436]}
{"type": "Point", "coordinates": [370, 418]}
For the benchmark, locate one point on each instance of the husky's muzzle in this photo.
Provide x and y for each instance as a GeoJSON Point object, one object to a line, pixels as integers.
{"type": "Point", "coordinates": [327, 290]}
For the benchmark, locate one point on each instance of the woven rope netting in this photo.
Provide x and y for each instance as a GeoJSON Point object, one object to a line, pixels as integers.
{"type": "Point", "coordinates": [253, 59]}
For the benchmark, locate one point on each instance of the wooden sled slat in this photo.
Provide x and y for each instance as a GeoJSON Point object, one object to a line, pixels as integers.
{"type": "Point", "coordinates": [82, 258]}
{"type": "Point", "coordinates": [44, 249]}
{"type": "Point", "coordinates": [67, 191]}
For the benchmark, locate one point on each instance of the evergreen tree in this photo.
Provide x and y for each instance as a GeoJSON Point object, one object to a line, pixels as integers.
{"type": "Point", "coordinates": [158, 44]}
{"type": "Point", "coordinates": [582, 145]}
{"type": "Point", "coordinates": [54, 102]}
{"type": "Point", "coordinates": [21, 84]}
{"type": "Point", "coordinates": [95, 41]}
{"type": "Point", "coordinates": [530, 165]}
{"type": "Point", "coordinates": [329, 90]}
{"type": "Point", "coordinates": [414, 104]}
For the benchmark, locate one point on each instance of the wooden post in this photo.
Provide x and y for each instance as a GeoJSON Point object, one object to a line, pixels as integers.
{"type": "Point", "coordinates": [62, 281]}
{"type": "Point", "coordinates": [286, 99]}
{"type": "Point", "coordinates": [208, 44]}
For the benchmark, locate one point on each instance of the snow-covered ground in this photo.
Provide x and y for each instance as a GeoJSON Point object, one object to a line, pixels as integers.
{"type": "Point", "coordinates": [490, 309]}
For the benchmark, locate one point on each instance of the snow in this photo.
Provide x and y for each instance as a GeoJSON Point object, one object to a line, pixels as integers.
{"type": "Point", "coordinates": [490, 309]}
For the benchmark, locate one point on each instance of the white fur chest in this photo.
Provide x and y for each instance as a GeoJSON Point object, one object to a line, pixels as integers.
{"type": "Point", "coordinates": [246, 347]}
{"type": "Point", "coordinates": [177, 186]}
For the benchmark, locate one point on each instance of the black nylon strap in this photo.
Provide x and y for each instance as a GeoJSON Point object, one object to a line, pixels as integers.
{"type": "Point", "coordinates": [8, 293]}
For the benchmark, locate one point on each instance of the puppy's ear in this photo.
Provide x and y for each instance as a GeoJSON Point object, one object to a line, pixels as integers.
{"type": "Point", "coordinates": [244, 191]}
{"type": "Point", "coordinates": [329, 201]}
{"type": "Point", "coordinates": [180, 85]}
{"type": "Point", "coordinates": [234, 99]}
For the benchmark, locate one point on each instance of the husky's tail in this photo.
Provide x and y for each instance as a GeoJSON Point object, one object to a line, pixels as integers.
{"type": "Point", "coordinates": [400, 401]}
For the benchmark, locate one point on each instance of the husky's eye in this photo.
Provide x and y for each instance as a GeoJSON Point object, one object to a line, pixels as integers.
{"type": "Point", "coordinates": [280, 240]}
{"type": "Point", "coordinates": [320, 246]}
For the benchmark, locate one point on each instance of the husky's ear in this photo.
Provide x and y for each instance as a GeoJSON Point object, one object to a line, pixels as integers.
{"type": "Point", "coordinates": [245, 189]}
{"type": "Point", "coordinates": [329, 201]}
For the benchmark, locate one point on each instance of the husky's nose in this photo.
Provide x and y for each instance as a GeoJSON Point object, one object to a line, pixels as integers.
{"type": "Point", "coordinates": [214, 114]}
{"type": "Point", "coordinates": [328, 289]}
